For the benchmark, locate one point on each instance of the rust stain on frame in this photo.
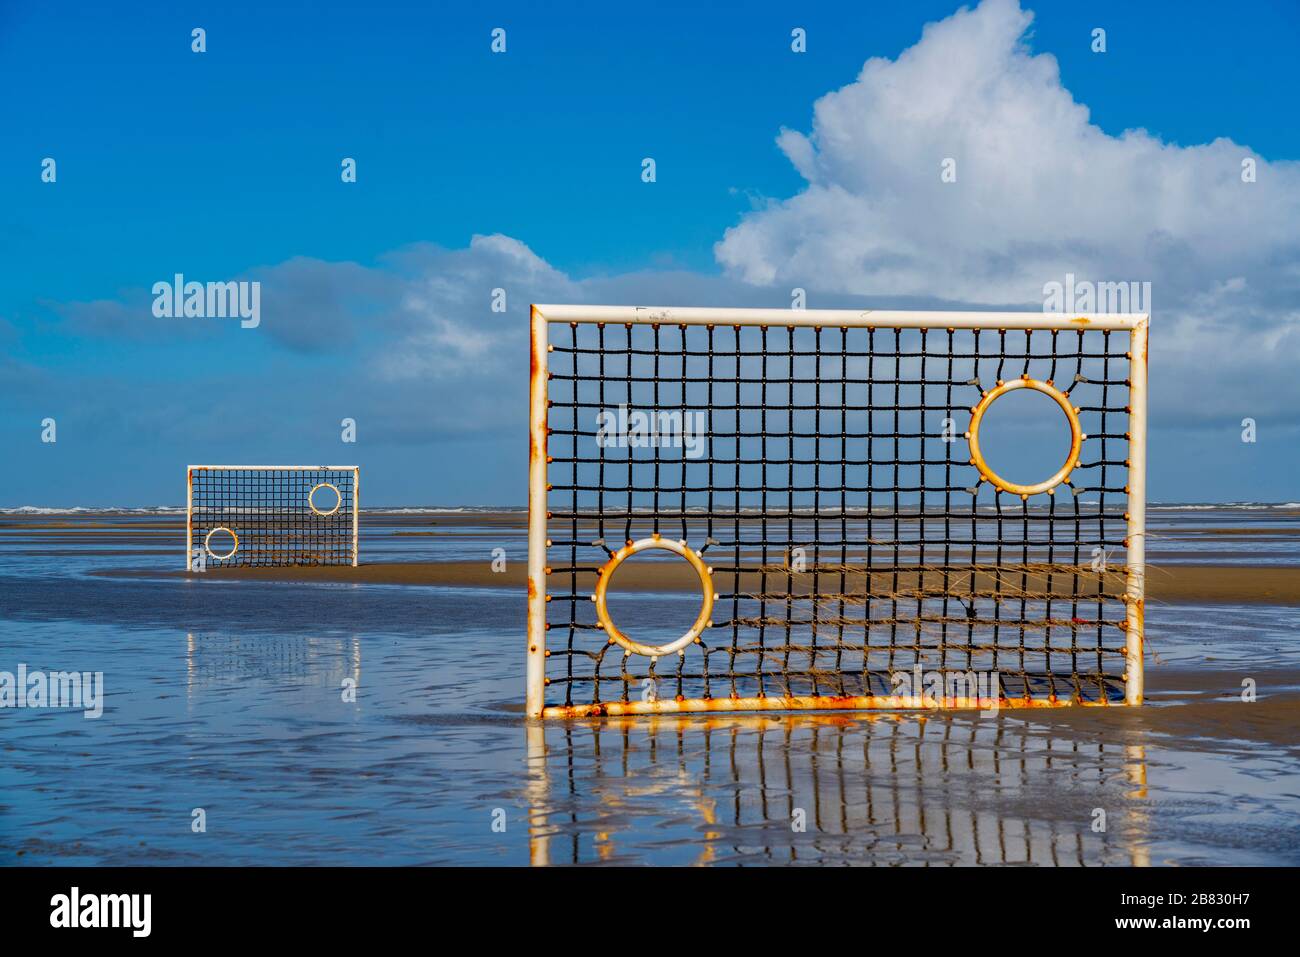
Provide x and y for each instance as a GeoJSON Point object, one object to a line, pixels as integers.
{"type": "Point", "coordinates": [1135, 623]}
{"type": "Point", "coordinates": [536, 630]}
{"type": "Point", "coordinates": [810, 703]}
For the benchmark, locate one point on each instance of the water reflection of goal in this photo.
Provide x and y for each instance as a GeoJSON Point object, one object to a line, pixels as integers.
{"type": "Point", "coordinates": [219, 661]}
{"type": "Point", "coordinates": [834, 508]}
{"type": "Point", "coordinates": [877, 790]}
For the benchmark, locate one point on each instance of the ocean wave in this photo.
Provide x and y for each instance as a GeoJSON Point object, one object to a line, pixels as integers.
{"type": "Point", "coordinates": [94, 510]}
{"type": "Point", "coordinates": [497, 509]}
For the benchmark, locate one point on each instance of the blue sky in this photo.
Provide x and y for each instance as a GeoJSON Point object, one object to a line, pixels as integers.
{"type": "Point", "coordinates": [225, 164]}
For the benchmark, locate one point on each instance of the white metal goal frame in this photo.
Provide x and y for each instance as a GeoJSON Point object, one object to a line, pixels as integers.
{"type": "Point", "coordinates": [272, 514]}
{"type": "Point", "coordinates": [783, 629]}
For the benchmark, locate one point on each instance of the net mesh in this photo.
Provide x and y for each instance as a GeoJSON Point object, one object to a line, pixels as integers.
{"type": "Point", "coordinates": [823, 474]}
{"type": "Point", "coordinates": [270, 512]}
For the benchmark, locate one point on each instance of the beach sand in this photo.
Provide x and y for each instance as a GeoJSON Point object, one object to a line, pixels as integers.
{"type": "Point", "coordinates": [1209, 583]}
{"type": "Point", "coordinates": [1176, 773]}
{"type": "Point", "coordinates": [1195, 584]}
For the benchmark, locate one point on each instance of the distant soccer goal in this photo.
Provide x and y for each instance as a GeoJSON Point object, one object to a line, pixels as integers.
{"type": "Point", "coordinates": [822, 482]}
{"type": "Point", "coordinates": [271, 515]}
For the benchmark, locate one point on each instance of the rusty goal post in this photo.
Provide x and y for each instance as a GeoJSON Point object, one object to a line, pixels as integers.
{"type": "Point", "coordinates": [818, 476]}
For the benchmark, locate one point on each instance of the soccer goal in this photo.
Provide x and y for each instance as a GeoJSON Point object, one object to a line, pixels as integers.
{"type": "Point", "coordinates": [817, 478]}
{"type": "Point", "coordinates": [271, 515]}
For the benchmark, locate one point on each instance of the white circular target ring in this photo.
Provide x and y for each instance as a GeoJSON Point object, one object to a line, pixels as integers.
{"type": "Point", "coordinates": [207, 543]}
{"type": "Point", "coordinates": [338, 498]}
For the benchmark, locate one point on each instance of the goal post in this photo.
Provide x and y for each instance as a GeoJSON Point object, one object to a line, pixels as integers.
{"type": "Point", "coordinates": [818, 476]}
{"type": "Point", "coordinates": [272, 515]}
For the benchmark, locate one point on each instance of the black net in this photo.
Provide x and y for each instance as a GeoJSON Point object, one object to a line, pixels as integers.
{"type": "Point", "coordinates": [272, 516]}
{"type": "Point", "coordinates": [824, 476]}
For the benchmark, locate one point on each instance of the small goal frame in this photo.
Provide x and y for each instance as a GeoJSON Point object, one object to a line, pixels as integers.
{"type": "Point", "coordinates": [355, 510]}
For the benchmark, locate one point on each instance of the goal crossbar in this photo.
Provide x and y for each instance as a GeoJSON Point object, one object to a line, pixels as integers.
{"type": "Point", "coordinates": [850, 318]}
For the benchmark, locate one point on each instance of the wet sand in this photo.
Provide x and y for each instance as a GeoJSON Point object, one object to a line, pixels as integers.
{"type": "Point", "coordinates": [1195, 776]}
{"type": "Point", "coordinates": [1196, 584]}
{"type": "Point", "coordinates": [1195, 709]}
{"type": "Point", "coordinates": [1213, 582]}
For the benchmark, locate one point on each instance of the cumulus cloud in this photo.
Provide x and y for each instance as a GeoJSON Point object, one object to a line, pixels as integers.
{"type": "Point", "coordinates": [315, 306]}
{"type": "Point", "coordinates": [1040, 192]}
{"type": "Point", "coordinates": [446, 306]}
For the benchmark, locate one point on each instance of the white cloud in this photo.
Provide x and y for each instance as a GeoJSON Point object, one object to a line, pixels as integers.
{"type": "Point", "coordinates": [1040, 190]}
{"type": "Point", "coordinates": [446, 308]}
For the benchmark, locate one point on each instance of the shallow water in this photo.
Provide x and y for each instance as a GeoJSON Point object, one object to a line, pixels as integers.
{"type": "Point", "coordinates": [228, 696]}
